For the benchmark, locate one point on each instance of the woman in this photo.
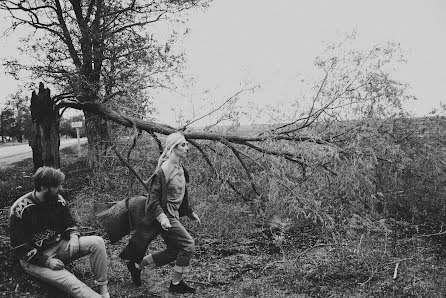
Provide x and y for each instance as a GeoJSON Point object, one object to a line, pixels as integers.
{"type": "Point", "coordinates": [168, 201]}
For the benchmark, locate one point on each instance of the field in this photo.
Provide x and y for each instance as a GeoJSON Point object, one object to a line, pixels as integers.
{"type": "Point", "coordinates": [352, 251]}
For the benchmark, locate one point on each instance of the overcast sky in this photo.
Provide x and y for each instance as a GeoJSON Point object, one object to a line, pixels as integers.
{"type": "Point", "coordinates": [273, 44]}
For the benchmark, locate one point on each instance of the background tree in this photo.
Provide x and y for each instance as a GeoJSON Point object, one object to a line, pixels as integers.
{"type": "Point", "coordinates": [22, 116]}
{"type": "Point", "coordinates": [84, 45]}
{"type": "Point", "coordinates": [7, 121]}
{"type": "Point", "coordinates": [16, 117]}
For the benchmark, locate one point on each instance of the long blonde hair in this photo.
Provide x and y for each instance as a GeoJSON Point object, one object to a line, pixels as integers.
{"type": "Point", "coordinates": [172, 140]}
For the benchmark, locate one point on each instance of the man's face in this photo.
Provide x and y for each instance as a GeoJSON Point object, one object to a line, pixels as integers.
{"type": "Point", "coordinates": [51, 193]}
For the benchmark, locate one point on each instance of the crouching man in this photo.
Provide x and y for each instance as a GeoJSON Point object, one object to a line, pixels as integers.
{"type": "Point", "coordinates": [44, 236]}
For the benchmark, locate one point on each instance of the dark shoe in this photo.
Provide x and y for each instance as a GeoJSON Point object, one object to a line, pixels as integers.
{"type": "Point", "coordinates": [135, 273]}
{"type": "Point", "coordinates": [181, 288]}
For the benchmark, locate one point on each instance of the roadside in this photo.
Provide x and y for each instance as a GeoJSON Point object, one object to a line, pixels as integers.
{"type": "Point", "coordinates": [20, 151]}
{"type": "Point", "coordinates": [7, 144]}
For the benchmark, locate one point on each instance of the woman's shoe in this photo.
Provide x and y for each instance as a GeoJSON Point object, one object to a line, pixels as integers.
{"type": "Point", "coordinates": [135, 273]}
{"type": "Point", "coordinates": [181, 288]}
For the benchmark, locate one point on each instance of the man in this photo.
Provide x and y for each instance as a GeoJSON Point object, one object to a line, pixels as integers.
{"type": "Point", "coordinates": [44, 236]}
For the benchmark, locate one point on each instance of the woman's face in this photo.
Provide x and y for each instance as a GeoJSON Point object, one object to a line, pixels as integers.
{"type": "Point", "coordinates": [181, 149]}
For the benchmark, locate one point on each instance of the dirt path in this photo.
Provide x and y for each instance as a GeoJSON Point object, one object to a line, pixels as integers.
{"type": "Point", "coordinates": [12, 154]}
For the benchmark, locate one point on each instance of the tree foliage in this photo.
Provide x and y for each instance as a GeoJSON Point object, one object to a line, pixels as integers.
{"type": "Point", "coordinates": [100, 51]}
{"type": "Point", "coordinates": [16, 118]}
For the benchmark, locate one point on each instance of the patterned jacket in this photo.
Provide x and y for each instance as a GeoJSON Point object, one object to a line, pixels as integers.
{"type": "Point", "coordinates": [35, 226]}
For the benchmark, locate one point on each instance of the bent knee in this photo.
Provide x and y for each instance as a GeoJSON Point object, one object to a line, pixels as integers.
{"type": "Point", "coordinates": [97, 242]}
{"type": "Point", "coordinates": [190, 246]}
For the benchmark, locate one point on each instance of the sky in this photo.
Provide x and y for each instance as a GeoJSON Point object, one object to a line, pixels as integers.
{"type": "Point", "coordinates": [272, 44]}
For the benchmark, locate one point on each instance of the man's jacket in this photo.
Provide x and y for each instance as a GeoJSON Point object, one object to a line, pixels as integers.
{"type": "Point", "coordinates": [35, 226]}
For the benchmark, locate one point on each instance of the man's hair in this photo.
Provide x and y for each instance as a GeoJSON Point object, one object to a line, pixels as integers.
{"type": "Point", "coordinates": [48, 177]}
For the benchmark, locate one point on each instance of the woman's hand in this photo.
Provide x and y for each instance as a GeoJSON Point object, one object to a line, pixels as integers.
{"type": "Point", "coordinates": [196, 218]}
{"type": "Point", "coordinates": [165, 224]}
{"type": "Point", "coordinates": [164, 221]}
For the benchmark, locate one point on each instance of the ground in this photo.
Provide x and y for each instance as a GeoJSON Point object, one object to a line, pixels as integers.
{"type": "Point", "coordinates": [250, 267]}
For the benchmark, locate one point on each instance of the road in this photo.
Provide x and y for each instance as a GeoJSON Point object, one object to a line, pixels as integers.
{"type": "Point", "coordinates": [12, 154]}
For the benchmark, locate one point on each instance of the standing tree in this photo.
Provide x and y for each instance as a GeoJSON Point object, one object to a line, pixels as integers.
{"type": "Point", "coordinates": [7, 122]}
{"type": "Point", "coordinates": [93, 50]}
{"type": "Point", "coordinates": [20, 127]}
{"type": "Point", "coordinates": [45, 139]}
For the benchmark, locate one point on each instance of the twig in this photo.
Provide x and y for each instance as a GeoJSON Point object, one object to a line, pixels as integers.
{"type": "Point", "coordinates": [422, 236]}
{"type": "Point", "coordinates": [205, 156]}
{"type": "Point", "coordinates": [395, 272]}
{"type": "Point", "coordinates": [138, 133]}
{"type": "Point", "coordinates": [375, 270]}
{"type": "Point", "coordinates": [316, 246]}
{"type": "Point", "coordinates": [219, 107]}
{"type": "Point", "coordinates": [237, 154]}
{"type": "Point", "coordinates": [113, 147]}
{"type": "Point", "coordinates": [230, 183]}
{"type": "Point", "coordinates": [301, 254]}
{"type": "Point", "coordinates": [157, 140]}
{"type": "Point", "coordinates": [434, 234]}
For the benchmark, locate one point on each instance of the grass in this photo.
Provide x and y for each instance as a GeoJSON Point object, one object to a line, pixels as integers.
{"type": "Point", "coordinates": [242, 261]}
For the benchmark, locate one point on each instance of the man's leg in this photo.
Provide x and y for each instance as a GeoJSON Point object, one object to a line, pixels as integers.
{"type": "Point", "coordinates": [95, 247]}
{"type": "Point", "coordinates": [61, 279]}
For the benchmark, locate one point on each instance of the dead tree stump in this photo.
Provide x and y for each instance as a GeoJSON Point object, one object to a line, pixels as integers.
{"type": "Point", "coordinates": [45, 139]}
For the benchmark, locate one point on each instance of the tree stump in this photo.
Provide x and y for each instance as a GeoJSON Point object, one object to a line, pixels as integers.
{"type": "Point", "coordinates": [45, 139]}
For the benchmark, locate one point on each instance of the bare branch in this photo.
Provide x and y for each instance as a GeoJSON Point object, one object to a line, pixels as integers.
{"type": "Point", "coordinates": [237, 154]}
{"type": "Point", "coordinates": [67, 37]}
{"type": "Point", "coordinates": [139, 24]}
{"type": "Point", "coordinates": [122, 159]}
{"type": "Point", "coordinates": [219, 107]}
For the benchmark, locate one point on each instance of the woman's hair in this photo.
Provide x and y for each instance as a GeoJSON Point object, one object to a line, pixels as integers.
{"type": "Point", "coordinates": [171, 142]}
{"type": "Point", "coordinates": [47, 177]}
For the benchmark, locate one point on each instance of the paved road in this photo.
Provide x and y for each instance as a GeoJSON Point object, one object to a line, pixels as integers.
{"type": "Point", "coordinates": [12, 154]}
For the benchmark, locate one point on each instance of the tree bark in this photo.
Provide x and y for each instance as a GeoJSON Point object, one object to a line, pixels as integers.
{"type": "Point", "coordinates": [97, 131]}
{"type": "Point", "coordinates": [2, 127]}
{"type": "Point", "coordinates": [45, 139]}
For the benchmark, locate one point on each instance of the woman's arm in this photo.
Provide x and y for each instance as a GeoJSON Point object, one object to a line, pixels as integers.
{"type": "Point", "coordinates": [155, 197]}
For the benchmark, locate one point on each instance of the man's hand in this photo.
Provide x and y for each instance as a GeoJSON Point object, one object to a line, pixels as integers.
{"type": "Point", "coordinates": [73, 244]}
{"type": "Point", "coordinates": [196, 218]}
{"type": "Point", "coordinates": [55, 264]}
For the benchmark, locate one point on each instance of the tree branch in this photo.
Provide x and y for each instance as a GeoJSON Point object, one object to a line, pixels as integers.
{"type": "Point", "coordinates": [139, 24]}
{"type": "Point", "coordinates": [237, 154]}
{"type": "Point", "coordinates": [125, 162]}
{"type": "Point", "coordinates": [67, 37]}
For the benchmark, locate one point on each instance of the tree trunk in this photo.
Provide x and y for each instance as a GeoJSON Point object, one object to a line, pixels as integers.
{"type": "Point", "coordinates": [2, 127]}
{"type": "Point", "coordinates": [45, 139]}
{"type": "Point", "coordinates": [96, 129]}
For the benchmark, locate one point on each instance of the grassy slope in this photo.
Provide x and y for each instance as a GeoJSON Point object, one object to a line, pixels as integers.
{"type": "Point", "coordinates": [252, 267]}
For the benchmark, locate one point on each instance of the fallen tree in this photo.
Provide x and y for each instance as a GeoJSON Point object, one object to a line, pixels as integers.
{"type": "Point", "coordinates": [233, 141]}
